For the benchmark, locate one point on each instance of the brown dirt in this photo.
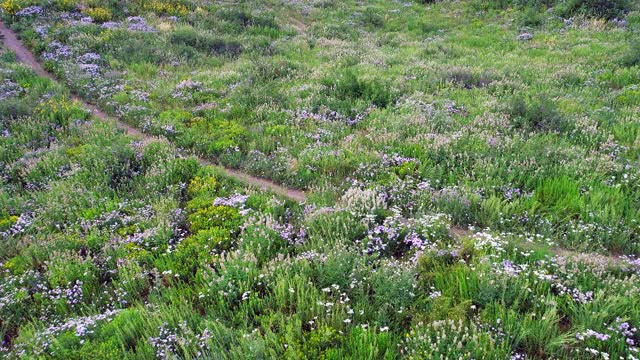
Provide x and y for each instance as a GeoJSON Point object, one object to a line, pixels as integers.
{"type": "Point", "coordinates": [25, 56]}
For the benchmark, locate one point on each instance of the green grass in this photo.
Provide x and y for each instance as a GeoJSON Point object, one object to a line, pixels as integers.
{"type": "Point", "coordinates": [467, 191]}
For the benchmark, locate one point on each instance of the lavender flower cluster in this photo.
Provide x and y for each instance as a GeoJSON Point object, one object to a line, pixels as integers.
{"type": "Point", "coordinates": [138, 23]}
{"type": "Point", "coordinates": [288, 232]}
{"type": "Point", "coordinates": [72, 294]}
{"type": "Point", "coordinates": [170, 341]}
{"type": "Point", "coordinates": [185, 89]}
{"type": "Point", "coordinates": [235, 200]}
{"type": "Point", "coordinates": [9, 89]}
{"type": "Point", "coordinates": [619, 331]}
{"type": "Point", "coordinates": [111, 25]}
{"type": "Point", "coordinates": [397, 160]}
{"type": "Point", "coordinates": [31, 11]}
{"type": "Point", "coordinates": [22, 224]}
{"type": "Point", "coordinates": [89, 64]}
{"type": "Point", "coordinates": [330, 116]}
{"type": "Point", "coordinates": [57, 51]}
{"type": "Point", "coordinates": [81, 327]}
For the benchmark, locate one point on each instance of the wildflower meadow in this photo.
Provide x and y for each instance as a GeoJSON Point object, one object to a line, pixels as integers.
{"type": "Point", "coordinates": [320, 179]}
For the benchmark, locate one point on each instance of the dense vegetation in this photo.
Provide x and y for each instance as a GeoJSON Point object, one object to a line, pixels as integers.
{"type": "Point", "coordinates": [464, 163]}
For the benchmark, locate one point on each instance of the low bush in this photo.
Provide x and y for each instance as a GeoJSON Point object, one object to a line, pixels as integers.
{"type": "Point", "coordinates": [539, 114]}
{"type": "Point", "coordinates": [607, 9]}
{"type": "Point", "coordinates": [632, 56]}
{"type": "Point", "coordinates": [99, 14]}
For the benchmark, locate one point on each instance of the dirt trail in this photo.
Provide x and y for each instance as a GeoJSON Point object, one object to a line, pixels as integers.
{"type": "Point", "coordinates": [25, 56]}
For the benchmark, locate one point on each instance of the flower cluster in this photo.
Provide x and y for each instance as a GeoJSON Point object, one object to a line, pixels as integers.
{"type": "Point", "coordinates": [31, 11]}
{"type": "Point", "coordinates": [9, 89]}
{"type": "Point", "coordinates": [81, 327]}
{"type": "Point", "coordinates": [57, 51]}
{"type": "Point", "coordinates": [138, 23]}
{"type": "Point", "coordinates": [110, 25]}
{"type": "Point", "coordinates": [186, 88]}
{"type": "Point", "coordinates": [235, 200]}
{"type": "Point", "coordinates": [170, 341]}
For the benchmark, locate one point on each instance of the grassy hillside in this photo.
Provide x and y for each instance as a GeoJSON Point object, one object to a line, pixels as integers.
{"type": "Point", "coordinates": [471, 170]}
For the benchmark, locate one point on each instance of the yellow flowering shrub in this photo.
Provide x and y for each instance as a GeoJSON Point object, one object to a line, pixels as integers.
{"type": "Point", "coordinates": [166, 8]}
{"type": "Point", "coordinates": [10, 7]}
{"type": "Point", "coordinates": [61, 111]}
{"type": "Point", "coordinates": [203, 185]}
{"type": "Point", "coordinates": [65, 4]}
{"type": "Point", "coordinates": [6, 223]}
{"type": "Point", "coordinates": [99, 14]}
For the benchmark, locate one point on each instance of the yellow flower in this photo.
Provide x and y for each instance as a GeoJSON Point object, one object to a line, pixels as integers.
{"type": "Point", "coordinates": [99, 14]}
{"type": "Point", "coordinates": [10, 7]}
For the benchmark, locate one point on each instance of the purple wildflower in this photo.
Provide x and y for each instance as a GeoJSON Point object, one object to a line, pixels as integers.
{"type": "Point", "coordinates": [137, 23]}
{"type": "Point", "coordinates": [31, 11]}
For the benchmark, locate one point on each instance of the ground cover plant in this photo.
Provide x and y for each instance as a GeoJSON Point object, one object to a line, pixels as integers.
{"type": "Point", "coordinates": [471, 170]}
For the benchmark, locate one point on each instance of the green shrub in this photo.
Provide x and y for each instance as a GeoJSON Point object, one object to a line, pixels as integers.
{"type": "Point", "coordinates": [539, 114]}
{"type": "Point", "coordinates": [346, 89]}
{"type": "Point", "coordinates": [222, 47]}
{"type": "Point", "coordinates": [15, 108]}
{"type": "Point", "coordinates": [607, 9]}
{"type": "Point", "coordinates": [236, 16]}
{"type": "Point", "coordinates": [469, 79]}
{"type": "Point", "coordinates": [632, 55]}
{"type": "Point", "coordinates": [99, 14]}
{"type": "Point", "coordinates": [65, 5]}
{"type": "Point", "coordinates": [531, 16]}
{"type": "Point", "coordinates": [206, 42]}
{"type": "Point", "coordinates": [372, 17]}
{"type": "Point", "coordinates": [195, 251]}
{"type": "Point", "coordinates": [215, 216]}
{"type": "Point", "coordinates": [450, 339]}
{"type": "Point", "coordinates": [186, 36]}
{"type": "Point", "coordinates": [123, 168]}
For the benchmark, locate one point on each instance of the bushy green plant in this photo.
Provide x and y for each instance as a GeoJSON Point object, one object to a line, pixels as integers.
{"type": "Point", "coordinates": [372, 17]}
{"type": "Point", "coordinates": [99, 14]}
{"type": "Point", "coordinates": [537, 115]}
{"type": "Point", "coordinates": [632, 55]}
{"type": "Point", "coordinates": [607, 9]}
{"type": "Point", "coordinates": [397, 122]}
{"type": "Point", "coordinates": [451, 339]}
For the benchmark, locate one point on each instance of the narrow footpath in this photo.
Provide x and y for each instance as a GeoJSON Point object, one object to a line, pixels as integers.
{"type": "Point", "coordinates": [25, 56]}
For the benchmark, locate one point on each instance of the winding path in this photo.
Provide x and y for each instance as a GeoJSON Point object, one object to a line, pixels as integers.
{"type": "Point", "coordinates": [26, 57]}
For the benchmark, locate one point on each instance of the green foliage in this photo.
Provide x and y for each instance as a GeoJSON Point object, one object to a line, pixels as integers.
{"type": "Point", "coordinates": [372, 17]}
{"type": "Point", "coordinates": [607, 9]}
{"type": "Point", "coordinates": [447, 200]}
{"type": "Point", "coordinates": [214, 216]}
{"type": "Point", "coordinates": [99, 14]}
{"type": "Point", "coordinates": [632, 56]}
{"type": "Point", "coordinates": [205, 42]}
{"type": "Point", "coordinates": [531, 17]}
{"type": "Point", "coordinates": [537, 115]}
{"type": "Point", "coordinates": [347, 87]}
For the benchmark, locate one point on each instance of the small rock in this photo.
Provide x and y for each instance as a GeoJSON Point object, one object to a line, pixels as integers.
{"type": "Point", "coordinates": [620, 22]}
{"type": "Point", "coordinates": [525, 36]}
